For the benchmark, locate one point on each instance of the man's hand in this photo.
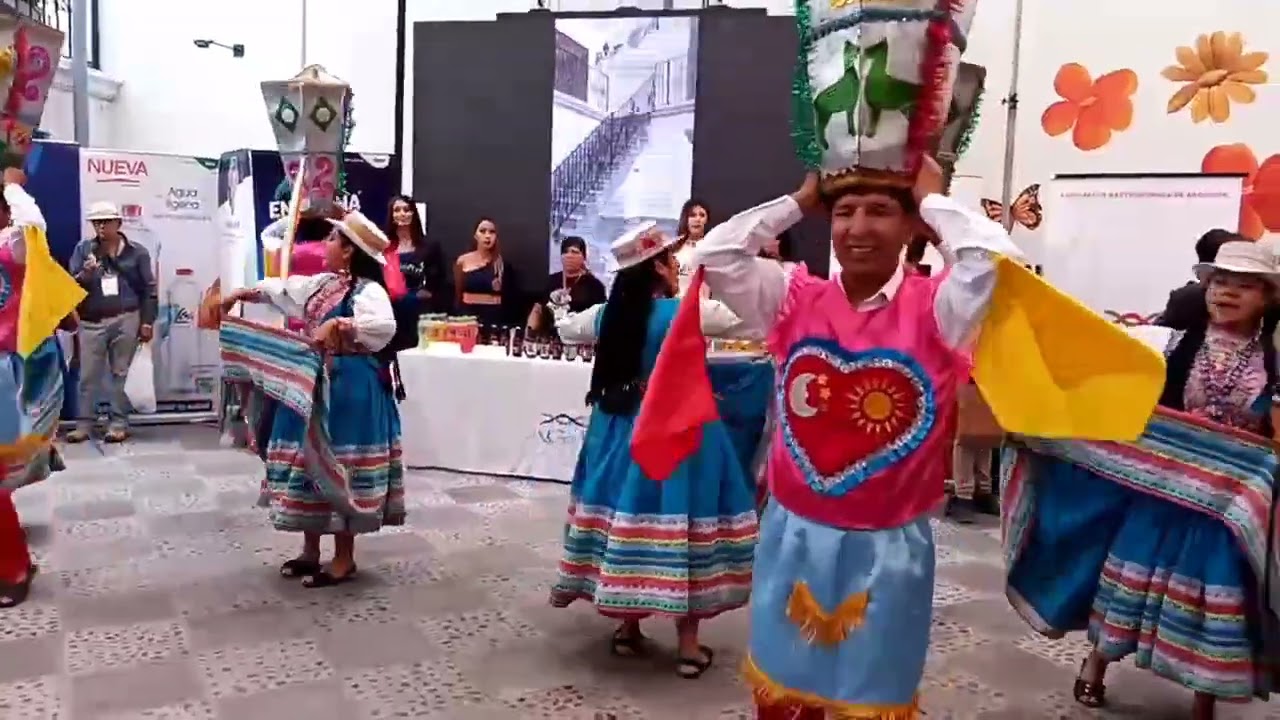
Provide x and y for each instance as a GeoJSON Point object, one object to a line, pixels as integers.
{"type": "Point", "coordinates": [929, 180]}
{"type": "Point", "coordinates": [807, 197]}
{"type": "Point", "coordinates": [145, 333]}
{"type": "Point", "coordinates": [14, 176]}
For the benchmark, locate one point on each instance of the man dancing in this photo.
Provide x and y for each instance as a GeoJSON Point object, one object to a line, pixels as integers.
{"type": "Point", "coordinates": [869, 364]}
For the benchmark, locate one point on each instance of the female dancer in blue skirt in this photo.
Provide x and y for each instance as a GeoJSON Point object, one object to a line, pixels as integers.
{"type": "Point", "coordinates": [679, 548]}
{"type": "Point", "coordinates": [347, 315]}
{"type": "Point", "coordinates": [1158, 574]}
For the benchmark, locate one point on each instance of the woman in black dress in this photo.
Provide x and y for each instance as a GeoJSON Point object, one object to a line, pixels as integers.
{"type": "Point", "coordinates": [420, 259]}
{"type": "Point", "coordinates": [572, 290]}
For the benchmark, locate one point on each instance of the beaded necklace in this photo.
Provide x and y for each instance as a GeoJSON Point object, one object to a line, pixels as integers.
{"type": "Point", "coordinates": [1223, 363]}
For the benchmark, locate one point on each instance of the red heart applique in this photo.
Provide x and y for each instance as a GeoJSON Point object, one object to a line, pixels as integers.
{"type": "Point", "coordinates": [847, 416]}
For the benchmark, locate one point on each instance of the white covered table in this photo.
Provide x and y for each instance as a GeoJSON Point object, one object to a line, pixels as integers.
{"type": "Point", "coordinates": [489, 413]}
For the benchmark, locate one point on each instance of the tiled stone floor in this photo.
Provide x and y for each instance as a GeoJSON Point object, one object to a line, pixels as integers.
{"type": "Point", "coordinates": [159, 599]}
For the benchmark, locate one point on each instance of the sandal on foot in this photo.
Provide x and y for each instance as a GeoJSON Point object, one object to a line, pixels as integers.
{"type": "Point", "coordinates": [300, 567]}
{"type": "Point", "coordinates": [115, 436]}
{"type": "Point", "coordinates": [77, 436]}
{"type": "Point", "coordinates": [324, 579]}
{"type": "Point", "coordinates": [14, 595]}
{"type": "Point", "coordinates": [627, 644]}
{"type": "Point", "coordinates": [693, 668]}
{"type": "Point", "coordinates": [1090, 695]}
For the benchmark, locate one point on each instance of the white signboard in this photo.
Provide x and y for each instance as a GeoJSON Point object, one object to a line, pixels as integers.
{"type": "Point", "coordinates": [169, 203]}
{"type": "Point", "coordinates": [1120, 244]}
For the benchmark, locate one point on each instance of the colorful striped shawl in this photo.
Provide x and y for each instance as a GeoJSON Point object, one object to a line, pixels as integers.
{"type": "Point", "coordinates": [266, 370]}
{"type": "Point", "coordinates": [1222, 472]}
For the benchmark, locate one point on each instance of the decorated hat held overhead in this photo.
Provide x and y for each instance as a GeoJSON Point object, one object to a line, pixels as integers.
{"type": "Point", "coordinates": [873, 86]}
{"type": "Point", "coordinates": [29, 55]}
{"type": "Point", "coordinates": [311, 117]}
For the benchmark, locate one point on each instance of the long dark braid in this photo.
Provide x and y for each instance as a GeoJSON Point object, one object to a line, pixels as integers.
{"type": "Point", "coordinates": [616, 376]}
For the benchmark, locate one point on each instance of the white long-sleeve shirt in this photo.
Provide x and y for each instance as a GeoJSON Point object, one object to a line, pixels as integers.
{"type": "Point", "coordinates": [23, 213]}
{"type": "Point", "coordinates": [754, 287]}
{"type": "Point", "coordinates": [371, 315]}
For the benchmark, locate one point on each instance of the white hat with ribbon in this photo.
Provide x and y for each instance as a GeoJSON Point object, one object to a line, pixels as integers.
{"type": "Point", "coordinates": [363, 234]}
{"type": "Point", "coordinates": [639, 244]}
{"type": "Point", "coordinates": [1242, 257]}
{"type": "Point", "coordinates": [103, 210]}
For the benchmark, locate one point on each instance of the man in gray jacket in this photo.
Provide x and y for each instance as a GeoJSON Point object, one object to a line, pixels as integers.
{"type": "Point", "coordinates": [118, 313]}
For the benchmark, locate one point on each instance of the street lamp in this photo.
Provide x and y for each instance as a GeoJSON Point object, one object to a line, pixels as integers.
{"type": "Point", "coordinates": [237, 50]}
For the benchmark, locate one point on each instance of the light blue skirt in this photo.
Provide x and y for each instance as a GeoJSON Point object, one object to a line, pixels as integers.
{"type": "Point", "coordinates": [840, 619]}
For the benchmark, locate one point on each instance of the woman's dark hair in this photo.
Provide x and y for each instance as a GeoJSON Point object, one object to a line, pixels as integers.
{"type": "Point", "coordinates": [682, 228]}
{"type": "Point", "coordinates": [573, 242]}
{"type": "Point", "coordinates": [363, 267]}
{"type": "Point", "coordinates": [312, 229]}
{"type": "Point", "coordinates": [786, 246]}
{"type": "Point", "coordinates": [616, 382]}
{"type": "Point", "coordinates": [416, 225]}
{"type": "Point", "coordinates": [1208, 244]}
{"type": "Point", "coordinates": [4, 203]}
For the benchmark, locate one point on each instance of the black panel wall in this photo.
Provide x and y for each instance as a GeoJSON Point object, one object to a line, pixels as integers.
{"type": "Point", "coordinates": [481, 139]}
{"type": "Point", "coordinates": [742, 151]}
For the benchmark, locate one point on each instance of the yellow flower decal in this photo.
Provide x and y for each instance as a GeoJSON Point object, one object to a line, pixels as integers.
{"type": "Point", "coordinates": [1217, 72]}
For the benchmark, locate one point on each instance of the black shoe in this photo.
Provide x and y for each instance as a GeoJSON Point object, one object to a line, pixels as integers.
{"type": "Point", "coordinates": [987, 504]}
{"type": "Point", "coordinates": [961, 511]}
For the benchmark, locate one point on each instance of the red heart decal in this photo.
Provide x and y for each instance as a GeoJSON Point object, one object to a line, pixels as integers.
{"type": "Point", "coordinates": [849, 415]}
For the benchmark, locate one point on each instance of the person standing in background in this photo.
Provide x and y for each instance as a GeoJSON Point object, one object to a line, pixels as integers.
{"type": "Point", "coordinates": [1186, 305]}
{"type": "Point", "coordinates": [421, 261]}
{"type": "Point", "coordinates": [479, 277]}
{"type": "Point", "coordinates": [118, 313]}
{"type": "Point", "coordinates": [572, 290]}
{"type": "Point", "coordinates": [693, 224]}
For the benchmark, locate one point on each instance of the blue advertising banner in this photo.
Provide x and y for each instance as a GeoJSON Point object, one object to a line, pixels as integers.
{"type": "Point", "coordinates": [53, 179]}
{"type": "Point", "coordinates": [372, 180]}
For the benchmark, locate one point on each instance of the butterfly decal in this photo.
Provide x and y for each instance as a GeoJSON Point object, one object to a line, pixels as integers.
{"type": "Point", "coordinates": [1027, 210]}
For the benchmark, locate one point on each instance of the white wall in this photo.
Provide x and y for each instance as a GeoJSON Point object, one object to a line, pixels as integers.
{"type": "Point", "coordinates": [59, 113]}
{"type": "Point", "coordinates": [183, 99]}
{"type": "Point", "coordinates": [178, 98]}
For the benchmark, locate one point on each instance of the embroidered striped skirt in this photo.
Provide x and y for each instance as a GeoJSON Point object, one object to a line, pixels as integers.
{"type": "Point", "coordinates": [840, 619]}
{"type": "Point", "coordinates": [1156, 547]}
{"type": "Point", "coordinates": [31, 394]}
{"type": "Point", "coordinates": [1146, 577]}
{"type": "Point", "coordinates": [636, 547]}
{"type": "Point", "coordinates": [329, 434]}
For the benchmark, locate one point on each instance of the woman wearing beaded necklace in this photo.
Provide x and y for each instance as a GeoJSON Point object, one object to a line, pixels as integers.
{"type": "Point", "coordinates": [1176, 591]}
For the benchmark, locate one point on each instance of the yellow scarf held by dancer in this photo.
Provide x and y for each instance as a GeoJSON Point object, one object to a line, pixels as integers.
{"type": "Point", "coordinates": [1050, 367]}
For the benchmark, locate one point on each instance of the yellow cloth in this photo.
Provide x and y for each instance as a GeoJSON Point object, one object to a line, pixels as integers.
{"type": "Point", "coordinates": [49, 294]}
{"type": "Point", "coordinates": [1050, 367]}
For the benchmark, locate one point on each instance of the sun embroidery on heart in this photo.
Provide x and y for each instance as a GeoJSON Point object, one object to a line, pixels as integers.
{"type": "Point", "coordinates": [849, 415]}
{"type": "Point", "coordinates": [879, 408]}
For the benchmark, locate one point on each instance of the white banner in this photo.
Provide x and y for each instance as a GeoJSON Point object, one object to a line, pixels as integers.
{"type": "Point", "coordinates": [169, 204]}
{"type": "Point", "coordinates": [1120, 244]}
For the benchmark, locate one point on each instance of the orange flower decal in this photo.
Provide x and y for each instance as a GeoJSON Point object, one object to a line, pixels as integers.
{"type": "Point", "coordinates": [1095, 109]}
{"type": "Point", "coordinates": [1260, 207]}
{"type": "Point", "coordinates": [1217, 72]}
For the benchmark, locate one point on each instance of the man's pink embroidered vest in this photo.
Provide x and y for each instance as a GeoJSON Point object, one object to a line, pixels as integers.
{"type": "Point", "coordinates": [865, 405]}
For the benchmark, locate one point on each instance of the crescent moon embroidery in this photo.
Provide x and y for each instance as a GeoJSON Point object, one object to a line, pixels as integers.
{"type": "Point", "coordinates": [798, 396]}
